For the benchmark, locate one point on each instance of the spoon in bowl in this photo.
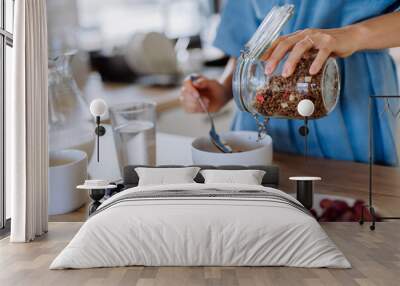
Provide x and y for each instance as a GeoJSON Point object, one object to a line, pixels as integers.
{"type": "Point", "coordinates": [215, 139]}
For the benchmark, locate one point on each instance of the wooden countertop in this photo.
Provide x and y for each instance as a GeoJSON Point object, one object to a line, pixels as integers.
{"type": "Point", "coordinates": [114, 94]}
{"type": "Point", "coordinates": [344, 178]}
{"type": "Point", "coordinates": [341, 178]}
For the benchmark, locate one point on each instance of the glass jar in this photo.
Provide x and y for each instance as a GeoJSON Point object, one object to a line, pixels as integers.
{"type": "Point", "coordinates": [277, 96]}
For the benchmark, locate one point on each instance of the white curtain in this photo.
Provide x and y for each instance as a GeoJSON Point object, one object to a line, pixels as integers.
{"type": "Point", "coordinates": [26, 121]}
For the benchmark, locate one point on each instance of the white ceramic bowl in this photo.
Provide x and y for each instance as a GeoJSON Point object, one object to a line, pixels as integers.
{"type": "Point", "coordinates": [67, 169]}
{"type": "Point", "coordinates": [252, 152]}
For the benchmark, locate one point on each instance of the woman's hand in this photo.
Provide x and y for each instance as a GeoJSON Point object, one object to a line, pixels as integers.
{"type": "Point", "coordinates": [211, 91]}
{"type": "Point", "coordinates": [329, 42]}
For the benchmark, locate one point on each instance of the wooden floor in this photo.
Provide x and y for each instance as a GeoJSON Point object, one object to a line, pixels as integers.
{"type": "Point", "coordinates": [375, 257]}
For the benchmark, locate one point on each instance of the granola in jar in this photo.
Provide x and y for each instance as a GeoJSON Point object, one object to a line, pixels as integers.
{"type": "Point", "coordinates": [280, 96]}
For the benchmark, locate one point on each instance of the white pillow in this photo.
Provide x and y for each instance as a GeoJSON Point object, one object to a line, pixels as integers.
{"type": "Point", "coordinates": [165, 176]}
{"type": "Point", "coordinates": [248, 177]}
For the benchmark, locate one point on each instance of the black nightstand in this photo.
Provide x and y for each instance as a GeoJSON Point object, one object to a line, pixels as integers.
{"type": "Point", "coordinates": [304, 190]}
{"type": "Point", "coordinates": [97, 190]}
{"type": "Point", "coordinates": [96, 195]}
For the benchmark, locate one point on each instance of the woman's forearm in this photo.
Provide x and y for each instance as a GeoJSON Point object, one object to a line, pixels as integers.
{"type": "Point", "coordinates": [227, 76]}
{"type": "Point", "coordinates": [377, 33]}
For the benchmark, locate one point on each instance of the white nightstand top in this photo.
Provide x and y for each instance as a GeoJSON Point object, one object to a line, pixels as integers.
{"type": "Point", "coordinates": [305, 178]}
{"type": "Point", "coordinates": [96, 185]}
{"type": "Point", "coordinates": [84, 187]}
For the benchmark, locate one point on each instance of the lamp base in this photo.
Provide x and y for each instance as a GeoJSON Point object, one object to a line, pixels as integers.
{"type": "Point", "coordinates": [96, 195]}
{"type": "Point", "coordinates": [100, 130]}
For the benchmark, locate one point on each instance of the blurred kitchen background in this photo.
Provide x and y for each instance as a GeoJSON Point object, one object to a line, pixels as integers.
{"type": "Point", "coordinates": [135, 50]}
{"type": "Point", "coordinates": [138, 50]}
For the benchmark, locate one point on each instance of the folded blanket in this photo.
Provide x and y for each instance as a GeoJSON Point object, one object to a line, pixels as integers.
{"type": "Point", "coordinates": [206, 194]}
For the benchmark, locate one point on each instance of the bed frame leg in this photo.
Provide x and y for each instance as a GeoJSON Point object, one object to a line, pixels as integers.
{"type": "Point", "coordinates": [361, 222]}
{"type": "Point", "coordinates": [372, 211]}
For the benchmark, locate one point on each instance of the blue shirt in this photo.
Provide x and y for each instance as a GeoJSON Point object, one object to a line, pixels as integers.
{"type": "Point", "coordinates": [343, 134]}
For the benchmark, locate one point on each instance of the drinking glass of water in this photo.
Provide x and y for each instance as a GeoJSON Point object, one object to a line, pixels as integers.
{"type": "Point", "coordinates": [133, 127]}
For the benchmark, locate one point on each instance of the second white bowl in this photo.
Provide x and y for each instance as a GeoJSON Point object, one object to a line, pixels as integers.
{"type": "Point", "coordinates": [252, 152]}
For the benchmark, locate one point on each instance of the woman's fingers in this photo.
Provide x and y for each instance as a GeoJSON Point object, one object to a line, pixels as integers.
{"type": "Point", "coordinates": [266, 55]}
{"type": "Point", "coordinates": [281, 50]}
{"type": "Point", "coordinates": [188, 89]}
{"type": "Point", "coordinates": [211, 92]}
{"type": "Point", "coordinates": [319, 60]}
{"type": "Point", "coordinates": [194, 106]}
{"type": "Point", "coordinates": [201, 83]}
{"type": "Point", "coordinates": [277, 55]}
{"type": "Point", "coordinates": [189, 96]}
{"type": "Point", "coordinates": [191, 104]}
{"type": "Point", "coordinates": [296, 54]}
{"type": "Point", "coordinates": [298, 44]}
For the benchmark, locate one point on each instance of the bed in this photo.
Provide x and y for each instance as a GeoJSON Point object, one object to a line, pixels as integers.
{"type": "Point", "coordinates": [197, 224]}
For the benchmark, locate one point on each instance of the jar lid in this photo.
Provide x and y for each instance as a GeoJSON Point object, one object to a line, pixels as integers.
{"type": "Point", "coordinates": [268, 31]}
{"type": "Point", "coordinates": [330, 84]}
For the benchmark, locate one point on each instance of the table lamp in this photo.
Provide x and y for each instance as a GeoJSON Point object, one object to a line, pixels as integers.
{"type": "Point", "coordinates": [98, 108]}
{"type": "Point", "coordinates": [305, 108]}
{"type": "Point", "coordinates": [304, 193]}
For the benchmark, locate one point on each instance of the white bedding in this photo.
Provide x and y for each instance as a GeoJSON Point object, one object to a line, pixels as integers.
{"type": "Point", "coordinates": [200, 231]}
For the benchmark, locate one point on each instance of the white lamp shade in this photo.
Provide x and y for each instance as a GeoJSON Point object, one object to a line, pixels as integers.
{"type": "Point", "coordinates": [98, 107]}
{"type": "Point", "coordinates": [305, 107]}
